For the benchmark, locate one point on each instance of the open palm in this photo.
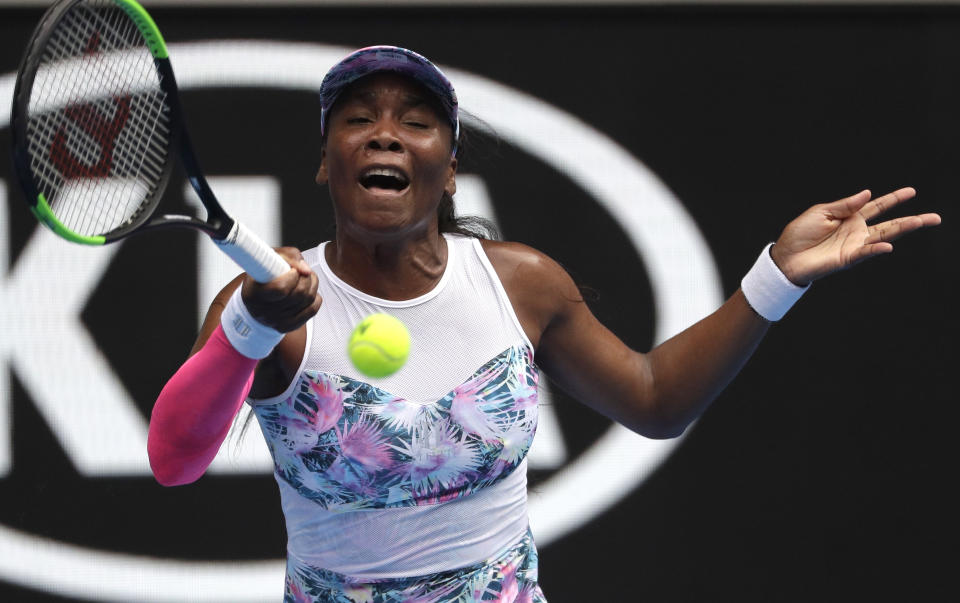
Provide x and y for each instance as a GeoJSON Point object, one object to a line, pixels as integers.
{"type": "Point", "coordinates": [833, 236]}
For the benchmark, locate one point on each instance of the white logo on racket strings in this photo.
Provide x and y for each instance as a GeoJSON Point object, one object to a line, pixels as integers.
{"type": "Point", "coordinates": [685, 288]}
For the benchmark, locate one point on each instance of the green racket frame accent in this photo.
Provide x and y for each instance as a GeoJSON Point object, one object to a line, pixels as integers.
{"type": "Point", "coordinates": [43, 213]}
{"type": "Point", "coordinates": [140, 16]}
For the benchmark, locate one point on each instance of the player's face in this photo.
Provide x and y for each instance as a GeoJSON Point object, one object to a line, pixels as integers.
{"type": "Point", "coordinates": [387, 158]}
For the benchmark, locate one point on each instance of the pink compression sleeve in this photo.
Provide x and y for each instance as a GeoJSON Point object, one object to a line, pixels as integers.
{"type": "Point", "coordinates": [195, 409]}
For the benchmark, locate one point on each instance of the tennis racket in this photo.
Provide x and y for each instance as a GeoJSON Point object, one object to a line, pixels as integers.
{"type": "Point", "coordinates": [96, 124]}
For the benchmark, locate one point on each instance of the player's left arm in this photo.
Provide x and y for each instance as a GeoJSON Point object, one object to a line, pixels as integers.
{"type": "Point", "coordinates": [656, 394]}
{"type": "Point", "coordinates": [659, 393]}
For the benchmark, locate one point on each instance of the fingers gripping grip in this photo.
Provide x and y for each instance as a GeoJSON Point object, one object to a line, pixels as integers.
{"type": "Point", "coordinates": [257, 258]}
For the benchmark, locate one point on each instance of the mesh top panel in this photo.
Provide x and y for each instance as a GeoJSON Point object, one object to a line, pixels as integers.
{"type": "Point", "coordinates": [454, 329]}
{"type": "Point", "coordinates": [98, 126]}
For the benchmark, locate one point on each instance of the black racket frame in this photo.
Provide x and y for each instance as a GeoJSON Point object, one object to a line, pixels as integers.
{"type": "Point", "coordinates": [218, 223]}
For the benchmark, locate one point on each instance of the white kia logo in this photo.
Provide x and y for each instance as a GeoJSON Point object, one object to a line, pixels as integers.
{"type": "Point", "coordinates": [678, 262]}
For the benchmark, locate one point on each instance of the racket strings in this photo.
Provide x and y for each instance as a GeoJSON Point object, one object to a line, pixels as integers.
{"type": "Point", "coordinates": [98, 124]}
{"type": "Point", "coordinates": [118, 32]}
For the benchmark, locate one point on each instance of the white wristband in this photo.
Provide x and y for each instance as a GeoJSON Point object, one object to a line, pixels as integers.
{"type": "Point", "coordinates": [251, 338]}
{"type": "Point", "coordinates": [767, 290]}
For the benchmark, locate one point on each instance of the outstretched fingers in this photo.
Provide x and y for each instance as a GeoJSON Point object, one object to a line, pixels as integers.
{"type": "Point", "coordinates": [892, 230]}
{"type": "Point", "coordinates": [882, 204]}
{"type": "Point", "coordinates": [846, 207]}
{"type": "Point", "coordinates": [869, 250]}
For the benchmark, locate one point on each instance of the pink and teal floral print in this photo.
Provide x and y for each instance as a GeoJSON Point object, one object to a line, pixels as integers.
{"type": "Point", "coordinates": [509, 578]}
{"type": "Point", "coordinates": [348, 445]}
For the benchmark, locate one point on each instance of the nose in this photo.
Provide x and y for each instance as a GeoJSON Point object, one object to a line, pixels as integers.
{"type": "Point", "coordinates": [384, 137]}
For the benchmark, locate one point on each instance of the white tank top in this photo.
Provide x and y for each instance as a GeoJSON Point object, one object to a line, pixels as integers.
{"type": "Point", "coordinates": [422, 471]}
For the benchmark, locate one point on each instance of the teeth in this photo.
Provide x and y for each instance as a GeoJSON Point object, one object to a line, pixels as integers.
{"type": "Point", "coordinates": [385, 171]}
{"type": "Point", "coordinates": [384, 178]}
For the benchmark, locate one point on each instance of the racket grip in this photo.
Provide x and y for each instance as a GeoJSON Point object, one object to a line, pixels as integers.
{"type": "Point", "coordinates": [249, 251]}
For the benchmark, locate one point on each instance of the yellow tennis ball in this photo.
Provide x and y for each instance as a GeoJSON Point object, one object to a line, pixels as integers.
{"type": "Point", "coordinates": [379, 345]}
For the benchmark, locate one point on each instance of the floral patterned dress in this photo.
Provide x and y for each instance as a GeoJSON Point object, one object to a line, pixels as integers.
{"type": "Point", "coordinates": [347, 445]}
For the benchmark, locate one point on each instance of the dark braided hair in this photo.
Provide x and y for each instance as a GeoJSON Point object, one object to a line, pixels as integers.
{"type": "Point", "coordinates": [470, 226]}
{"type": "Point", "coordinates": [447, 218]}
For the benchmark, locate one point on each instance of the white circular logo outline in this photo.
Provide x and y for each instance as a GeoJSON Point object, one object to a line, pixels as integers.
{"type": "Point", "coordinates": [683, 276]}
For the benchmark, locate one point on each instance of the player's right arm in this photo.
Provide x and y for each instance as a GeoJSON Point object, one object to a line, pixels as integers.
{"type": "Point", "coordinates": [193, 413]}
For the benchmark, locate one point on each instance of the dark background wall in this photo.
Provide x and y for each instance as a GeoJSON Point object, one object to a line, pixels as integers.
{"type": "Point", "coordinates": [823, 473]}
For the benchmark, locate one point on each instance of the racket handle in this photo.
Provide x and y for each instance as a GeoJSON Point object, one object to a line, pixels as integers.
{"type": "Point", "coordinates": [249, 251]}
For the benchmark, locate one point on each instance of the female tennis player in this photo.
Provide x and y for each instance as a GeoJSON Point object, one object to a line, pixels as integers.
{"type": "Point", "coordinates": [412, 487]}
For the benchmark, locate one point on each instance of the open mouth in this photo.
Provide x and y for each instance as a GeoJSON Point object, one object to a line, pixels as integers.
{"type": "Point", "coordinates": [384, 178]}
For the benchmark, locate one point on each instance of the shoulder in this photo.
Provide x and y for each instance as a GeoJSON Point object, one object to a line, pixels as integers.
{"type": "Point", "coordinates": [538, 287]}
{"type": "Point", "coordinates": [512, 259]}
{"type": "Point", "coordinates": [510, 253]}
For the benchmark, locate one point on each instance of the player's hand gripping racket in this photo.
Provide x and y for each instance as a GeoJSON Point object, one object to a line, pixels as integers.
{"type": "Point", "coordinates": [96, 122]}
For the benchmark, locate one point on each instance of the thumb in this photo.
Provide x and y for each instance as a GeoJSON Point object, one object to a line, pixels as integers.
{"type": "Point", "coordinates": [302, 267]}
{"type": "Point", "coordinates": [295, 259]}
{"type": "Point", "coordinates": [846, 207]}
